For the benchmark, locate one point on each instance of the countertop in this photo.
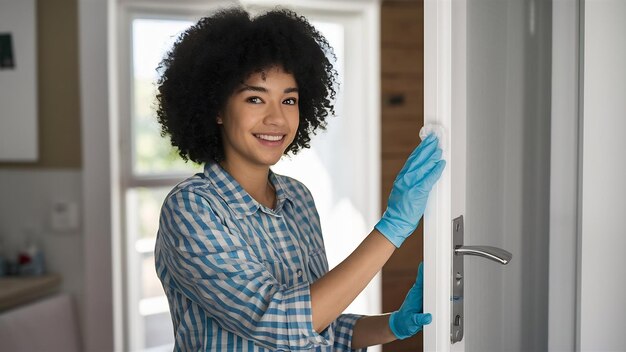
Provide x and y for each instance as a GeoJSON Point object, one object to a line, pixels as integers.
{"type": "Point", "coordinates": [17, 290]}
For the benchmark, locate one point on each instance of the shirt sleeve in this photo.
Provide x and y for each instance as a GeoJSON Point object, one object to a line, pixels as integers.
{"type": "Point", "coordinates": [215, 268]}
{"type": "Point", "coordinates": [343, 332]}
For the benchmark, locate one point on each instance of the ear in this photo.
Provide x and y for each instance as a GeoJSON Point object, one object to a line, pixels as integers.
{"type": "Point", "coordinates": [218, 119]}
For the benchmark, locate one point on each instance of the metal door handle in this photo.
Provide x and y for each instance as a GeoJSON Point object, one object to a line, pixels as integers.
{"type": "Point", "coordinates": [458, 276]}
{"type": "Point", "coordinates": [496, 254]}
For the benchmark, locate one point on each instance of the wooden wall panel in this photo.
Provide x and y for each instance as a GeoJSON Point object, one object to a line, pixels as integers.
{"type": "Point", "coordinates": [399, 27]}
{"type": "Point", "coordinates": [400, 137]}
{"type": "Point", "coordinates": [403, 60]}
{"type": "Point", "coordinates": [402, 106]}
{"type": "Point", "coordinates": [403, 96]}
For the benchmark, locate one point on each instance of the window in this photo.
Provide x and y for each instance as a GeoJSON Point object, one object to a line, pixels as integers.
{"type": "Point", "coordinates": [152, 168]}
{"type": "Point", "coordinates": [340, 159]}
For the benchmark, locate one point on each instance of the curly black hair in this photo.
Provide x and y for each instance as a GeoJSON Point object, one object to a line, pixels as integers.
{"type": "Point", "coordinates": [214, 56]}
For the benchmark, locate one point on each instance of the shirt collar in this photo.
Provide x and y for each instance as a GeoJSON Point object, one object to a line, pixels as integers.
{"type": "Point", "coordinates": [237, 198]}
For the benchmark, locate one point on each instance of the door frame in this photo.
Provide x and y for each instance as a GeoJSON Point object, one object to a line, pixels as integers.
{"type": "Point", "coordinates": [445, 83]}
{"type": "Point", "coordinates": [566, 175]}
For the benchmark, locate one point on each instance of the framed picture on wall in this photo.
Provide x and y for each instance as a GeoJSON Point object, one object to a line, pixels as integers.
{"type": "Point", "coordinates": [6, 52]}
{"type": "Point", "coordinates": [18, 82]}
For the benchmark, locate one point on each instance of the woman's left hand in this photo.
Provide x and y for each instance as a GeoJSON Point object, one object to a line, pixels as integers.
{"type": "Point", "coordinates": [410, 319]}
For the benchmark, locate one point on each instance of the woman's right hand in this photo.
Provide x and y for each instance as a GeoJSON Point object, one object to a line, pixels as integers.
{"type": "Point", "coordinates": [411, 187]}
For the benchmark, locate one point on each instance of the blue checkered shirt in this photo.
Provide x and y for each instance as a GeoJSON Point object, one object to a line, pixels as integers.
{"type": "Point", "coordinates": [237, 274]}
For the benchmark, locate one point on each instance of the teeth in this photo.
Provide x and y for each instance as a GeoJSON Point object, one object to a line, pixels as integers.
{"type": "Point", "coordinates": [269, 138]}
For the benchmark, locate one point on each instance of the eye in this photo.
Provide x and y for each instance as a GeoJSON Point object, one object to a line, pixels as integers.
{"type": "Point", "coordinates": [254, 100]}
{"type": "Point", "coordinates": [290, 101]}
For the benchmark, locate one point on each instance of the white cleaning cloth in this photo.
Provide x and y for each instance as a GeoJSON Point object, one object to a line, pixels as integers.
{"type": "Point", "coordinates": [439, 131]}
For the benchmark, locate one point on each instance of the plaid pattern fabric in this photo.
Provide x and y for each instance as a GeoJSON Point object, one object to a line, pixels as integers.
{"type": "Point", "coordinates": [237, 273]}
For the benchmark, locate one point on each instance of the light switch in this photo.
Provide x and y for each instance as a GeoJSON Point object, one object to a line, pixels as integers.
{"type": "Point", "coordinates": [64, 216]}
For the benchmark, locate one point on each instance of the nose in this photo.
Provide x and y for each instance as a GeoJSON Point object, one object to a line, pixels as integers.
{"type": "Point", "coordinates": [275, 115]}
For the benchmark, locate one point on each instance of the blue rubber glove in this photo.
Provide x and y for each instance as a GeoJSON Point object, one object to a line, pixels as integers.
{"type": "Point", "coordinates": [409, 194]}
{"type": "Point", "coordinates": [409, 319]}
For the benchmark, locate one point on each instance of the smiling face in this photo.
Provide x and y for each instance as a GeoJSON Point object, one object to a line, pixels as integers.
{"type": "Point", "coordinates": [260, 119]}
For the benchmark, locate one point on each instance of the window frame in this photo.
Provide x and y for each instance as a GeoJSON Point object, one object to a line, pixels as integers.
{"type": "Point", "coordinates": [362, 16]}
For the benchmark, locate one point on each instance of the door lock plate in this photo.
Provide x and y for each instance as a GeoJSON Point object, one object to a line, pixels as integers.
{"type": "Point", "coordinates": [456, 319]}
{"type": "Point", "coordinates": [459, 250]}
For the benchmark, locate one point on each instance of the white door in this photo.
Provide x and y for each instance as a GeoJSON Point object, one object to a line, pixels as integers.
{"type": "Point", "coordinates": [488, 82]}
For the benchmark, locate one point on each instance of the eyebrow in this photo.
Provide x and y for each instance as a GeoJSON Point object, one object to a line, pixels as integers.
{"type": "Point", "coordinates": [263, 89]}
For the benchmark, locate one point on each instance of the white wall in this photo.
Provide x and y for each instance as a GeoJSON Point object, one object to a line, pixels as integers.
{"type": "Point", "coordinates": [603, 234]}
{"type": "Point", "coordinates": [27, 199]}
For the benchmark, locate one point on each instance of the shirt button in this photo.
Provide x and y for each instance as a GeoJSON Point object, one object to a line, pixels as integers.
{"type": "Point", "coordinates": [299, 272]}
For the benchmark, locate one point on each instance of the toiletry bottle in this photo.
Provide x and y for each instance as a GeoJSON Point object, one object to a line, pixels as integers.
{"type": "Point", "coordinates": [30, 259]}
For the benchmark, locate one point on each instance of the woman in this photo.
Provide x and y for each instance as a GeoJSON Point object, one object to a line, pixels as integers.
{"type": "Point", "coordinates": [239, 249]}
